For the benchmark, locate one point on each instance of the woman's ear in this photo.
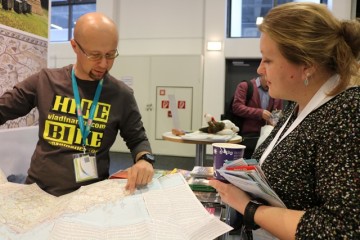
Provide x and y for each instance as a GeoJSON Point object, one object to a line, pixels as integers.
{"type": "Point", "coordinates": [308, 71]}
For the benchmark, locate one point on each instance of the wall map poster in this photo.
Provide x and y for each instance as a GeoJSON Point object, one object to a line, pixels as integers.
{"type": "Point", "coordinates": [23, 47]}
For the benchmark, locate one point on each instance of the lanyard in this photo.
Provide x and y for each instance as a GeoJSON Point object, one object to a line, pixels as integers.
{"type": "Point", "coordinates": [85, 129]}
{"type": "Point", "coordinates": [316, 101]}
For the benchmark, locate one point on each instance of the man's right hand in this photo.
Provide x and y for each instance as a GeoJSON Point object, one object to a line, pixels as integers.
{"type": "Point", "coordinates": [266, 115]}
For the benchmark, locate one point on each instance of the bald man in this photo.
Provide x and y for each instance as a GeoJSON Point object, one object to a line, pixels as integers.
{"type": "Point", "coordinates": [82, 108]}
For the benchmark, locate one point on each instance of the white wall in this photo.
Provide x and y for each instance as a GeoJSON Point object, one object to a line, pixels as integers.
{"type": "Point", "coordinates": [16, 148]}
{"type": "Point", "coordinates": [341, 8]}
{"type": "Point", "coordinates": [173, 27]}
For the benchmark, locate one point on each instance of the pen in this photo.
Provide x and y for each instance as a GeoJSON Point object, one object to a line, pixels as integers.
{"type": "Point", "coordinates": [173, 171]}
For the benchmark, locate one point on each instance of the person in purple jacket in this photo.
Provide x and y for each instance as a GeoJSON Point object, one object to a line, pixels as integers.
{"type": "Point", "coordinates": [256, 112]}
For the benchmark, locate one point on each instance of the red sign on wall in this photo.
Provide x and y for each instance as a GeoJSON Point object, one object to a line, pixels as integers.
{"type": "Point", "coordinates": [181, 104]}
{"type": "Point", "coordinates": [165, 104]}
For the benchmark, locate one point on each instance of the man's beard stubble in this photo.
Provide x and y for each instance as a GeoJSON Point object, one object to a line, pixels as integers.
{"type": "Point", "coordinates": [95, 77]}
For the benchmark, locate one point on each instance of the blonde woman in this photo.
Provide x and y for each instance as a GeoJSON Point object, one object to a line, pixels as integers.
{"type": "Point", "coordinates": [311, 159]}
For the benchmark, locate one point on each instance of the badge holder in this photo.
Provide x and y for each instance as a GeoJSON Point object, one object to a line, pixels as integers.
{"type": "Point", "coordinates": [85, 167]}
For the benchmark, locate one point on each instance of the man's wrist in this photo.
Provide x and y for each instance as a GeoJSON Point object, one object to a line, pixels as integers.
{"type": "Point", "coordinates": [147, 157]}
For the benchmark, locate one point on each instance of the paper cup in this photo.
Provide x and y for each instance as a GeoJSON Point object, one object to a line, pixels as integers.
{"type": "Point", "coordinates": [223, 152]}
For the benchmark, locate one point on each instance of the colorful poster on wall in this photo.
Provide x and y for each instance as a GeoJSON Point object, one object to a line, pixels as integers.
{"type": "Point", "coordinates": [23, 47]}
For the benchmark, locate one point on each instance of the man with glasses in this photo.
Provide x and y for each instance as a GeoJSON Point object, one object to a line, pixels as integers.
{"type": "Point", "coordinates": [82, 108]}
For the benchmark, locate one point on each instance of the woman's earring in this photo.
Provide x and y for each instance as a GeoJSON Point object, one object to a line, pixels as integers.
{"type": "Point", "coordinates": [306, 81]}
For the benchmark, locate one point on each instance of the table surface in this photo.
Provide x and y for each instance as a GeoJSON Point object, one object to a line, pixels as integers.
{"type": "Point", "coordinates": [212, 138]}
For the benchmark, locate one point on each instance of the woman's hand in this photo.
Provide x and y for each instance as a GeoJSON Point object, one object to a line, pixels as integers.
{"type": "Point", "coordinates": [231, 195]}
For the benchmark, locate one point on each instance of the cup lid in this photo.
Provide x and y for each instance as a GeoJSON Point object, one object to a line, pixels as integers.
{"type": "Point", "coordinates": [229, 145]}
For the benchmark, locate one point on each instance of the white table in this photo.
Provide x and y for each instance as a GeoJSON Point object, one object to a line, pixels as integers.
{"type": "Point", "coordinates": [201, 142]}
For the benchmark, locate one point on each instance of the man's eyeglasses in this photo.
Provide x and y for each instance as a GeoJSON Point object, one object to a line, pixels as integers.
{"type": "Point", "coordinates": [98, 56]}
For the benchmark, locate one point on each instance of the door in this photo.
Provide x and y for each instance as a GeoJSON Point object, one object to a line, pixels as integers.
{"type": "Point", "coordinates": [150, 76]}
{"type": "Point", "coordinates": [135, 72]}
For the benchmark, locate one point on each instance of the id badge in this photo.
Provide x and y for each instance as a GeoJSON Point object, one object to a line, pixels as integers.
{"type": "Point", "coordinates": [85, 167]}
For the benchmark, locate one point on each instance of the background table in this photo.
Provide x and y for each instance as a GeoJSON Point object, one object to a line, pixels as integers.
{"type": "Point", "coordinates": [200, 153]}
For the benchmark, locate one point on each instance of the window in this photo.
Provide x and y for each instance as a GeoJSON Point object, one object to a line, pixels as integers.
{"type": "Point", "coordinates": [63, 17]}
{"type": "Point", "coordinates": [243, 14]}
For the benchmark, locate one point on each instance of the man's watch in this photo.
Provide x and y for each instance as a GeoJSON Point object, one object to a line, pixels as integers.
{"type": "Point", "coordinates": [148, 157]}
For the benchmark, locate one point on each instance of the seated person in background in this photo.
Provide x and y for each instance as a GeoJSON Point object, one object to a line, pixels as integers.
{"type": "Point", "coordinates": [311, 158]}
{"type": "Point", "coordinates": [255, 113]}
{"type": "Point", "coordinates": [82, 108]}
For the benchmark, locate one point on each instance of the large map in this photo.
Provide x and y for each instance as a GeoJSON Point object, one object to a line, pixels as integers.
{"type": "Point", "coordinates": [21, 55]}
{"type": "Point", "coordinates": [165, 209]}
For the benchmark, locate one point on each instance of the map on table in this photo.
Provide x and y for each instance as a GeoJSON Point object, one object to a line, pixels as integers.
{"type": "Point", "coordinates": [165, 209]}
